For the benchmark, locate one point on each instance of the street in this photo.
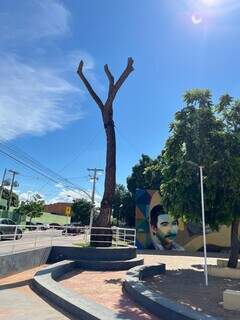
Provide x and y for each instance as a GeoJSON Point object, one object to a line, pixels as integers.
{"type": "Point", "coordinates": [36, 239]}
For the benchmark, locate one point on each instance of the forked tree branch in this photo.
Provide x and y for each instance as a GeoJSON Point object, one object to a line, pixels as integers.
{"type": "Point", "coordinates": [89, 87]}
{"type": "Point", "coordinates": [112, 93]}
{"type": "Point", "coordinates": [110, 77]}
{"type": "Point", "coordinates": [113, 88]}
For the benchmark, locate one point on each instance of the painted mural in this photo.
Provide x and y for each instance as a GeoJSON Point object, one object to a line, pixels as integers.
{"type": "Point", "coordinates": [156, 229]}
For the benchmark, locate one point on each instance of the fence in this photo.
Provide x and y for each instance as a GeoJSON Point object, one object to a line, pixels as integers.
{"type": "Point", "coordinates": [15, 238]}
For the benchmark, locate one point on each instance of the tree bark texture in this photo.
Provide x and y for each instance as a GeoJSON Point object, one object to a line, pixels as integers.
{"type": "Point", "coordinates": [235, 245]}
{"type": "Point", "coordinates": [104, 219]}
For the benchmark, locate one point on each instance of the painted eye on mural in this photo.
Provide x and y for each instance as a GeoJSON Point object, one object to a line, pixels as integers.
{"type": "Point", "coordinates": [175, 223]}
{"type": "Point", "coordinates": [164, 224]}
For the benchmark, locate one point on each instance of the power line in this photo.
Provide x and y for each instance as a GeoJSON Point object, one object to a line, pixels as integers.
{"type": "Point", "coordinates": [74, 159]}
{"type": "Point", "coordinates": [127, 141]}
{"type": "Point", "coordinates": [50, 175]}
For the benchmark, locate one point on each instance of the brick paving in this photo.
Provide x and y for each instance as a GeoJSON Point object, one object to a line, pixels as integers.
{"type": "Point", "coordinates": [106, 287]}
{"type": "Point", "coordinates": [19, 302]}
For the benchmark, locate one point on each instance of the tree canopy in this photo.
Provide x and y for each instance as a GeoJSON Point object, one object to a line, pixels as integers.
{"type": "Point", "coordinates": [123, 207]}
{"type": "Point", "coordinates": [81, 209]}
{"type": "Point", "coordinates": [196, 139]}
{"type": "Point", "coordinates": [146, 174]}
{"type": "Point", "coordinates": [14, 200]}
{"type": "Point", "coordinates": [33, 208]}
{"type": "Point", "coordinates": [208, 135]}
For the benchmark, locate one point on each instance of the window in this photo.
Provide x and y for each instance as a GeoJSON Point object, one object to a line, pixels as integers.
{"type": "Point", "coordinates": [10, 222]}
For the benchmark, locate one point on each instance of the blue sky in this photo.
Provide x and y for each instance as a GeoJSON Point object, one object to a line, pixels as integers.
{"type": "Point", "coordinates": [176, 45]}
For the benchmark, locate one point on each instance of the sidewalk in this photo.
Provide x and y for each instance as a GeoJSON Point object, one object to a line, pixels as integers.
{"type": "Point", "coordinates": [19, 302]}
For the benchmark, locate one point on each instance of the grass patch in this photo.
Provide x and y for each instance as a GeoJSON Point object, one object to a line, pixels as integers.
{"type": "Point", "coordinates": [81, 244]}
{"type": "Point", "coordinates": [51, 218]}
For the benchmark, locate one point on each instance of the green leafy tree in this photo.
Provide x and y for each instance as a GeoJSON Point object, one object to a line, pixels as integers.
{"type": "Point", "coordinates": [200, 135]}
{"type": "Point", "coordinates": [146, 174]}
{"type": "Point", "coordinates": [123, 207]}
{"type": "Point", "coordinates": [229, 112]}
{"type": "Point", "coordinates": [81, 209]}
{"type": "Point", "coordinates": [33, 208]}
{"type": "Point", "coordinates": [15, 198]}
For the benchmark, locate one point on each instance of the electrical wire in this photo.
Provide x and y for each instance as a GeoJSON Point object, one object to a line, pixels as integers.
{"type": "Point", "coordinates": [26, 157]}
{"type": "Point", "coordinates": [41, 170]}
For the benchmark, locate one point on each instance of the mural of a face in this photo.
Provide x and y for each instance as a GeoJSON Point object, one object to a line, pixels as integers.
{"type": "Point", "coordinates": [163, 228]}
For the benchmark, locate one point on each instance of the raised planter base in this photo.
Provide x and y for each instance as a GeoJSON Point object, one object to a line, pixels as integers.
{"type": "Point", "coordinates": [109, 265]}
{"type": "Point", "coordinates": [60, 253]}
{"type": "Point", "coordinates": [157, 304]}
{"type": "Point", "coordinates": [44, 283]}
{"type": "Point", "coordinates": [224, 263]}
{"type": "Point", "coordinates": [17, 262]}
{"type": "Point", "coordinates": [223, 272]}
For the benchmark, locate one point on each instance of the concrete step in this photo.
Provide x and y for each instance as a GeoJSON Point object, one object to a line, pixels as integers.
{"type": "Point", "coordinates": [109, 265]}
{"type": "Point", "coordinates": [59, 253]}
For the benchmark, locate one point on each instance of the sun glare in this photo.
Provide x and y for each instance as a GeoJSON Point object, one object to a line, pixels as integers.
{"type": "Point", "coordinates": [196, 19]}
{"type": "Point", "coordinates": [209, 2]}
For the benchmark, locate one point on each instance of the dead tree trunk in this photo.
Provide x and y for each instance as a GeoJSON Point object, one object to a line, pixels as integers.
{"type": "Point", "coordinates": [104, 219]}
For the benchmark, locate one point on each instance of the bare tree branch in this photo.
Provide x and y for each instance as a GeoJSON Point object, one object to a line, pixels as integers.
{"type": "Point", "coordinates": [89, 87]}
{"type": "Point", "coordinates": [110, 78]}
{"type": "Point", "coordinates": [129, 68]}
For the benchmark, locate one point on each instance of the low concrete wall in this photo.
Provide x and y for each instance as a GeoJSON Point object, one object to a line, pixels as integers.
{"type": "Point", "coordinates": [118, 258]}
{"type": "Point", "coordinates": [224, 263]}
{"type": "Point", "coordinates": [21, 261]}
{"type": "Point", "coordinates": [60, 253]}
{"type": "Point", "coordinates": [220, 272]}
{"type": "Point", "coordinates": [231, 300]}
{"type": "Point", "coordinates": [71, 302]}
{"type": "Point", "coordinates": [157, 304]}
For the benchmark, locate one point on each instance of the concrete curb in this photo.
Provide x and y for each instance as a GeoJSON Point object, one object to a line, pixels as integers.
{"type": "Point", "coordinates": [223, 272]}
{"type": "Point", "coordinates": [157, 304]}
{"type": "Point", "coordinates": [17, 262]}
{"type": "Point", "coordinates": [59, 253]}
{"type": "Point", "coordinates": [109, 265]}
{"type": "Point", "coordinates": [84, 309]}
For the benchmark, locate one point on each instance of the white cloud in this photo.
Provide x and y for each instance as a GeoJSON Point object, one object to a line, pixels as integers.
{"type": "Point", "coordinates": [66, 195]}
{"type": "Point", "coordinates": [32, 99]}
{"type": "Point", "coordinates": [76, 56]}
{"type": "Point", "coordinates": [26, 196]}
{"type": "Point", "coordinates": [34, 19]}
{"type": "Point", "coordinates": [36, 98]}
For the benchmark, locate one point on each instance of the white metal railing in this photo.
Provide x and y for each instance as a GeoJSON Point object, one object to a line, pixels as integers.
{"type": "Point", "coordinates": [17, 238]}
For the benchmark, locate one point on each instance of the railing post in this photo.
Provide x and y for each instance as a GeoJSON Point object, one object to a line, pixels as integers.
{"type": "Point", "coordinates": [35, 242]}
{"type": "Point", "coordinates": [51, 235]}
{"type": "Point", "coordinates": [117, 237]}
{"type": "Point", "coordinates": [15, 233]}
{"type": "Point", "coordinates": [86, 234]}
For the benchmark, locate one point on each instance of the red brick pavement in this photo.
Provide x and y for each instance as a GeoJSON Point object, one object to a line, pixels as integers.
{"type": "Point", "coordinates": [105, 287]}
{"type": "Point", "coordinates": [19, 302]}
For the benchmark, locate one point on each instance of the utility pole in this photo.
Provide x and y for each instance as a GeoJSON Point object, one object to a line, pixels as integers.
{"type": "Point", "coordinates": [2, 185]}
{"type": "Point", "coordinates": [204, 227]}
{"type": "Point", "coordinates": [14, 173]}
{"type": "Point", "coordinates": [94, 178]}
